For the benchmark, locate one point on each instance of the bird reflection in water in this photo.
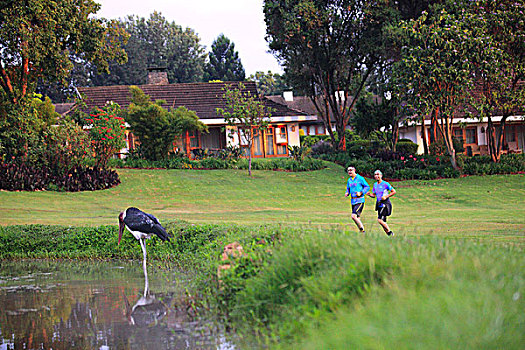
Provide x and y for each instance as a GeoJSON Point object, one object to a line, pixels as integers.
{"type": "Point", "coordinates": [147, 310]}
{"type": "Point", "coordinates": [150, 310]}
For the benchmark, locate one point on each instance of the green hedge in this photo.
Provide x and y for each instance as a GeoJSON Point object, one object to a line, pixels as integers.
{"type": "Point", "coordinates": [281, 163]}
{"type": "Point", "coordinates": [483, 165]}
{"type": "Point", "coordinates": [429, 167]}
{"type": "Point", "coordinates": [406, 147]}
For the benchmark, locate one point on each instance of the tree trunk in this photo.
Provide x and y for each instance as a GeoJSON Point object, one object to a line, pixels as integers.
{"type": "Point", "coordinates": [446, 130]}
{"type": "Point", "coordinates": [250, 145]}
{"type": "Point", "coordinates": [342, 141]}
{"type": "Point", "coordinates": [491, 140]}
{"type": "Point", "coordinates": [501, 136]}
{"type": "Point", "coordinates": [424, 135]}
{"type": "Point", "coordinates": [250, 164]}
{"type": "Point", "coordinates": [453, 159]}
{"type": "Point", "coordinates": [494, 141]}
{"type": "Point", "coordinates": [395, 134]}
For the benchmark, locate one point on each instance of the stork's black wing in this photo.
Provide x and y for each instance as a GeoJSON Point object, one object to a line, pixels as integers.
{"type": "Point", "coordinates": [137, 220]}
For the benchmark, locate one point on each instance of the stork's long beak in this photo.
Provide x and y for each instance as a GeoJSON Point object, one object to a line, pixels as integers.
{"type": "Point", "coordinates": [120, 230]}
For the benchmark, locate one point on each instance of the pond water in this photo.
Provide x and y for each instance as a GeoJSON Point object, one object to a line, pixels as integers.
{"type": "Point", "coordinates": [99, 305]}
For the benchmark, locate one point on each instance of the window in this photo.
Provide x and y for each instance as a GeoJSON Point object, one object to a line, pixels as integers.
{"type": "Point", "coordinates": [257, 143]}
{"type": "Point", "coordinates": [510, 135]}
{"type": "Point", "coordinates": [194, 139]}
{"type": "Point", "coordinates": [280, 135]}
{"type": "Point", "coordinates": [243, 137]}
{"type": "Point", "coordinates": [471, 135]}
{"type": "Point", "coordinates": [212, 139]}
{"type": "Point", "coordinates": [269, 141]}
{"type": "Point", "coordinates": [458, 134]}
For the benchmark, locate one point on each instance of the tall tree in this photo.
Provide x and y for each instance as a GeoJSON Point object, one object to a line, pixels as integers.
{"type": "Point", "coordinates": [499, 65]}
{"type": "Point", "coordinates": [329, 48]}
{"type": "Point", "coordinates": [39, 39]}
{"type": "Point", "coordinates": [269, 83]}
{"type": "Point", "coordinates": [158, 43]}
{"type": "Point", "coordinates": [224, 62]}
{"type": "Point", "coordinates": [435, 67]}
{"type": "Point", "coordinates": [247, 113]}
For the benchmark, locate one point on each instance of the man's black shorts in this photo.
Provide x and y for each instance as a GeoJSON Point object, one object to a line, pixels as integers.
{"type": "Point", "coordinates": [357, 209]}
{"type": "Point", "coordinates": [384, 209]}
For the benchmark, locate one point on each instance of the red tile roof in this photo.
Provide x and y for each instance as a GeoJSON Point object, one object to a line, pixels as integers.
{"type": "Point", "coordinates": [203, 98]}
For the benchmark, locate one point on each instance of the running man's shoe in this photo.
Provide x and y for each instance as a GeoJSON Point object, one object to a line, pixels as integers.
{"type": "Point", "coordinates": [390, 233]}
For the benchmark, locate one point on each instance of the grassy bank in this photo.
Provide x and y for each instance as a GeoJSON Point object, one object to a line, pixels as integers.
{"type": "Point", "coordinates": [304, 287]}
{"type": "Point", "coordinates": [489, 206]}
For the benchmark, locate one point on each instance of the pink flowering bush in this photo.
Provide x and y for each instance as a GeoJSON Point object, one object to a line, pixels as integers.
{"type": "Point", "coordinates": [107, 133]}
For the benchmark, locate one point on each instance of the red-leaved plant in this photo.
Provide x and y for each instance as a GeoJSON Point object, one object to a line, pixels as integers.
{"type": "Point", "coordinates": [107, 133]}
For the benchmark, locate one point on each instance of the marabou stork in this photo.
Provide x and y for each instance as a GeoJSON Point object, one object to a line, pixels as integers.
{"type": "Point", "coordinates": [142, 226]}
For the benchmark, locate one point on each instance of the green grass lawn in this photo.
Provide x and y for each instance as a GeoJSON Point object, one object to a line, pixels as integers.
{"type": "Point", "coordinates": [471, 206]}
{"type": "Point", "coordinates": [306, 281]}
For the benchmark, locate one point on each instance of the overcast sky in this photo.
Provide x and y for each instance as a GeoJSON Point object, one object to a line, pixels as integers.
{"type": "Point", "coordinates": [242, 21]}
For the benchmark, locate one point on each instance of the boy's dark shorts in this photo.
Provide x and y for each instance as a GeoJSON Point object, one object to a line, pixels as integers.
{"type": "Point", "coordinates": [384, 209]}
{"type": "Point", "coordinates": [357, 209]}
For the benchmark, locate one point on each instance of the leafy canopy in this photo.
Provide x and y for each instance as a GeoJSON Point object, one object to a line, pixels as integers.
{"type": "Point", "coordinates": [435, 68]}
{"type": "Point", "coordinates": [40, 39]}
{"type": "Point", "coordinates": [329, 49]}
{"type": "Point", "coordinates": [269, 83]}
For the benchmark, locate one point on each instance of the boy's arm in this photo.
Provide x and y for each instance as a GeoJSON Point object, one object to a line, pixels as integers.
{"type": "Point", "coordinates": [366, 187]}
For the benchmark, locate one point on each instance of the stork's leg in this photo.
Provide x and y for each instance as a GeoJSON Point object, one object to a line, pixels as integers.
{"type": "Point", "coordinates": [146, 283]}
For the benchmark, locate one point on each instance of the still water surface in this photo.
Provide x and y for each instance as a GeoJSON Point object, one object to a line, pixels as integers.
{"type": "Point", "coordinates": [99, 305]}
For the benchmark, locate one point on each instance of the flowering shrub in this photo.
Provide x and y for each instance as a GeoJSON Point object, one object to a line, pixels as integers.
{"type": "Point", "coordinates": [107, 133]}
{"type": "Point", "coordinates": [63, 147]}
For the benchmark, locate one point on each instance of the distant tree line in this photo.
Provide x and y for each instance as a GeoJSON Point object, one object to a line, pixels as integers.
{"type": "Point", "coordinates": [152, 42]}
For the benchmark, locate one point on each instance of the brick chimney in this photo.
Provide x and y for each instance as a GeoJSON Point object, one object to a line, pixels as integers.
{"type": "Point", "coordinates": [157, 76]}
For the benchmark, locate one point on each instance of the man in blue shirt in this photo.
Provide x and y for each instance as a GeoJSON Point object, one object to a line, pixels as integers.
{"type": "Point", "coordinates": [382, 190]}
{"type": "Point", "coordinates": [356, 188]}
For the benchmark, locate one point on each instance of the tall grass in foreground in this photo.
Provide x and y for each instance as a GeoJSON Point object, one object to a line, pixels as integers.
{"type": "Point", "coordinates": [301, 287]}
{"type": "Point", "coordinates": [424, 293]}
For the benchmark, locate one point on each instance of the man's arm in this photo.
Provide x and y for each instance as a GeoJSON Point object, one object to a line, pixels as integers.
{"type": "Point", "coordinates": [392, 192]}
{"type": "Point", "coordinates": [366, 187]}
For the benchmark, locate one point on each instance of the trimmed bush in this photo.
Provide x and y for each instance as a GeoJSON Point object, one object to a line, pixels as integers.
{"type": "Point", "coordinates": [406, 147]}
{"type": "Point", "coordinates": [310, 140]}
{"type": "Point", "coordinates": [21, 177]}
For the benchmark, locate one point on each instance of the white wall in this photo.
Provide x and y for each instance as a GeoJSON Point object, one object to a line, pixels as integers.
{"type": "Point", "coordinates": [293, 136]}
{"type": "Point", "coordinates": [413, 133]}
{"type": "Point", "coordinates": [232, 131]}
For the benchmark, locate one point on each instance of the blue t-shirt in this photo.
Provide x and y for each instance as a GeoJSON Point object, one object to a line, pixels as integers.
{"type": "Point", "coordinates": [381, 189]}
{"type": "Point", "coordinates": [357, 184]}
